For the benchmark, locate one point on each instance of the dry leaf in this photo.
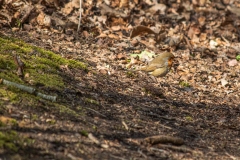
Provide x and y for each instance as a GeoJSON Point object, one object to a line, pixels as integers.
{"type": "Point", "coordinates": [203, 37]}
{"type": "Point", "coordinates": [93, 138]}
{"type": "Point", "coordinates": [123, 3]}
{"type": "Point", "coordinates": [232, 62]}
{"type": "Point", "coordinates": [234, 10]}
{"type": "Point", "coordinates": [19, 63]}
{"type": "Point", "coordinates": [113, 36]}
{"type": "Point", "coordinates": [140, 30]}
{"type": "Point", "coordinates": [224, 82]}
{"type": "Point", "coordinates": [106, 10]}
{"type": "Point", "coordinates": [202, 3]}
{"type": "Point", "coordinates": [44, 20]}
{"type": "Point", "coordinates": [193, 30]}
{"type": "Point", "coordinates": [103, 71]}
{"type": "Point", "coordinates": [115, 28]}
{"type": "Point", "coordinates": [70, 6]}
{"type": "Point", "coordinates": [121, 56]}
{"type": "Point", "coordinates": [158, 7]}
{"type": "Point", "coordinates": [85, 34]}
{"type": "Point", "coordinates": [213, 44]}
{"type": "Point", "coordinates": [201, 20]}
{"type": "Point", "coordinates": [226, 2]}
{"type": "Point", "coordinates": [195, 39]}
{"type": "Point", "coordinates": [173, 40]}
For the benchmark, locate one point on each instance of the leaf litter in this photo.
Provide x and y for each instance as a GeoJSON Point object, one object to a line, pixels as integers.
{"type": "Point", "coordinates": [197, 102]}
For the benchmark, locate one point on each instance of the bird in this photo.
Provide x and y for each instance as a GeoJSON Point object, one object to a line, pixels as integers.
{"type": "Point", "coordinates": [160, 65]}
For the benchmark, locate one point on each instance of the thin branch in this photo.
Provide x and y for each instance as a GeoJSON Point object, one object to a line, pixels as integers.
{"type": "Point", "coordinates": [28, 89]}
{"type": "Point", "coordinates": [95, 111]}
{"type": "Point", "coordinates": [80, 15]}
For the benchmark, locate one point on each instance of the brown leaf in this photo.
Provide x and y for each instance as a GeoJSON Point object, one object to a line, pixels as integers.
{"type": "Point", "coordinates": [224, 82]}
{"type": "Point", "coordinates": [140, 30]}
{"type": "Point", "coordinates": [70, 6]}
{"type": "Point", "coordinates": [113, 36]}
{"type": "Point", "coordinates": [193, 30]}
{"type": "Point", "coordinates": [115, 28]}
{"type": "Point", "coordinates": [232, 63]}
{"type": "Point", "coordinates": [234, 10]}
{"type": "Point", "coordinates": [44, 20]}
{"type": "Point", "coordinates": [123, 3]}
{"type": "Point", "coordinates": [106, 10]}
{"type": "Point", "coordinates": [121, 56]}
{"type": "Point", "coordinates": [201, 20]}
{"type": "Point", "coordinates": [164, 139]}
{"type": "Point", "coordinates": [173, 40]}
{"type": "Point", "coordinates": [19, 63]}
{"type": "Point", "coordinates": [103, 71]}
{"type": "Point", "coordinates": [85, 34]}
{"type": "Point", "coordinates": [158, 7]}
{"type": "Point", "coordinates": [202, 3]}
{"type": "Point", "coordinates": [203, 37]}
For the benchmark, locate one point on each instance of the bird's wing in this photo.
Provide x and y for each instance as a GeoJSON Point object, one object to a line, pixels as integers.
{"type": "Point", "coordinates": [152, 67]}
{"type": "Point", "coordinates": [160, 72]}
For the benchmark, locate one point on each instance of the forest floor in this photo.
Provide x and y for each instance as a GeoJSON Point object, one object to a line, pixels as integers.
{"type": "Point", "coordinates": [104, 108]}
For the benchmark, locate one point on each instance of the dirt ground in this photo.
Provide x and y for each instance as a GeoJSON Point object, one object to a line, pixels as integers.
{"type": "Point", "coordinates": [114, 112]}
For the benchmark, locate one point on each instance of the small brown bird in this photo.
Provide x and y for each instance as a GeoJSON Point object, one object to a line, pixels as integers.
{"type": "Point", "coordinates": [160, 65]}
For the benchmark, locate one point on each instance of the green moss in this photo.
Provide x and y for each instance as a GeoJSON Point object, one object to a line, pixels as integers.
{"type": "Point", "coordinates": [11, 96]}
{"type": "Point", "coordinates": [8, 140]}
{"type": "Point", "coordinates": [51, 58]}
{"type": "Point", "coordinates": [66, 110]}
{"type": "Point", "coordinates": [53, 80]}
{"type": "Point", "coordinates": [51, 121]}
{"type": "Point", "coordinates": [94, 127]}
{"type": "Point", "coordinates": [14, 122]}
{"type": "Point", "coordinates": [84, 133]}
{"type": "Point", "coordinates": [29, 141]}
{"type": "Point", "coordinates": [34, 117]}
{"type": "Point", "coordinates": [184, 84]}
{"type": "Point", "coordinates": [146, 91]}
{"type": "Point", "coordinates": [2, 124]}
{"type": "Point", "coordinates": [238, 57]}
{"type": "Point", "coordinates": [92, 101]}
{"type": "Point", "coordinates": [11, 141]}
{"type": "Point", "coordinates": [188, 118]}
{"type": "Point", "coordinates": [42, 65]}
{"type": "Point", "coordinates": [130, 74]}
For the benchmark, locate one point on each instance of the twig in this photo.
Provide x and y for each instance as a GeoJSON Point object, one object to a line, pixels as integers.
{"type": "Point", "coordinates": [19, 63]}
{"type": "Point", "coordinates": [175, 148]}
{"type": "Point", "coordinates": [95, 111]}
{"type": "Point", "coordinates": [163, 139]}
{"type": "Point", "coordinates": [125, 125]}
{"type": "Point", "coordinates": [232, 157]}
{"type": "Point", "coordinates": [117, 157]}
{"type": "Point", "coordinates": [28, 89]}
{"type": "Point", "coordinates": [156, 149]}
{"type": "Point", "coordinates": [80, 15]}
{"type": "Point", "coordinates": [141, 153]}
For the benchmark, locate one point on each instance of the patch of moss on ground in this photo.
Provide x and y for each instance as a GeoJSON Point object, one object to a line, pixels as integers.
{"type": "Point", "coordinates": [9, 140]}
{"type": "Point", "coordinates": [11, 96]}
{"type": "Point", "coordinates": [15, 97]}
{"type": "Point", "coordinates": [65, 110]}
{"type": "Point", "coordinates": [184, 84]}
{"type": "Point", "coordinates": [42, 66]}
{"type": "Point", "coordinates": [92, 101]}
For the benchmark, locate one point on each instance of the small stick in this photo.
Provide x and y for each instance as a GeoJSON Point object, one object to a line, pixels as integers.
{"type": "Point", "coordinates": [29, 90]}
{"type": "Point", "coordinates": [80, 15]}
